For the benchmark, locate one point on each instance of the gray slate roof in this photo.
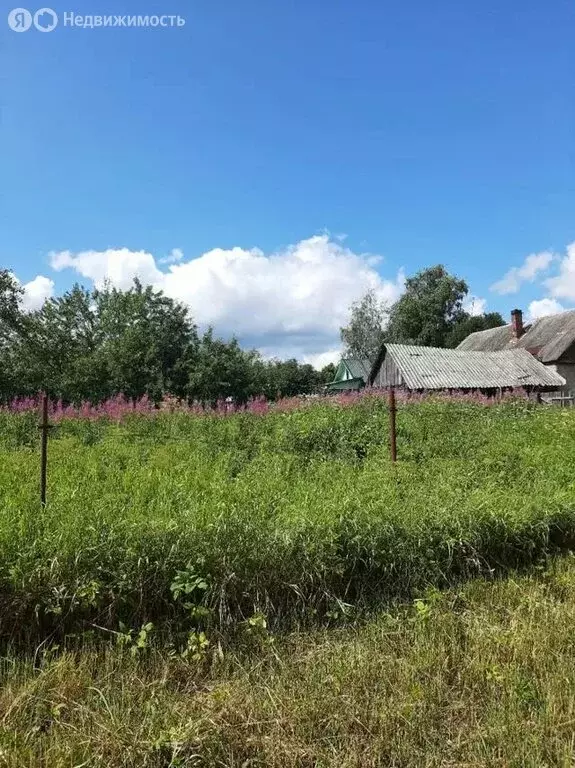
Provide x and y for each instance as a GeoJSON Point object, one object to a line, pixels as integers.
{"type": "Point", "coordinates": [547, 338]}
{"type": "Point", "coordinates": [359, 369]}
{"type": "Point", "coordinates": [434, 368]}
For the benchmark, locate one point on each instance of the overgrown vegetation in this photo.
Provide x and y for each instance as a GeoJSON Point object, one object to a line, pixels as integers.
{"type": "Point", "coordinates": [197, 524]}
{"type": "Point", "coordinates": [480, 676]}
{"type": "Point", "coordinates": [267, 589]}
{"type": "Point", "coordinates": [93, 345]}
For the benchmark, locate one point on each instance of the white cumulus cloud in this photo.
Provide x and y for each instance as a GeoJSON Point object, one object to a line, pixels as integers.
{"type": "Point", "coordinates": [512, 281]}
{"type": "Point", "coordinates": [35, 292]}
{"type": "Point", "coordinates": [175, 255]}
{"type": "Point", "coordinates": [473, 305]}
{"type": "Point", "coordinates": [563, 285]}
{"type": "Point", "coordinates": [292, 301]}
{"type": "Point", "coordinates": [323, 358]}
{"type": "Point", "coordinates": [543, 307]}
{"type": "Point", "coordinates": [118, 266]}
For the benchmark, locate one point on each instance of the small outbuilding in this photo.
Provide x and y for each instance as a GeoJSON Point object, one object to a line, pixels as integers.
{"type": "Point", "coordinates": [431, 368]}
{"type": "Point", "coordinates": [352, 374]}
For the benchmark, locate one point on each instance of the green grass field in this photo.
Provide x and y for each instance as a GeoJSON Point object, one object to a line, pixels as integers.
{"type": "Point", "coordinates": [239, 591]}
{"type": "Point", "coordinates": [298, 516]}
{"type": "Point", "coordinates": [482, 676]}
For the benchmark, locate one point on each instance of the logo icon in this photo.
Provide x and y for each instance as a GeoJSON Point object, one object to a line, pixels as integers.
{"type": "Point", "coordinates": [19, 20]}
{"type": "Point", "coordinates": [45, 20]}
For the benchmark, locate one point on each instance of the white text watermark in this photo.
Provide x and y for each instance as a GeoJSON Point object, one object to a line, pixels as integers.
{"type": "Point", "coordinates": [46, 19]}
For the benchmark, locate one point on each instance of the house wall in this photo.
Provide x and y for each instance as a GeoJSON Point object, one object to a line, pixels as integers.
{"type": "Point", "coordinates": [565, 367]}
{"type": "Point", "coordinates": [567, 370]}
{"type": "Point", "coordinates": [568, 357]}
{"type": "Point", "coordinates": [388, 374]}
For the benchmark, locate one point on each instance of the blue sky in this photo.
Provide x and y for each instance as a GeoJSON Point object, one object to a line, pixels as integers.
{"type": "Point", "coordinates": [423, 132]}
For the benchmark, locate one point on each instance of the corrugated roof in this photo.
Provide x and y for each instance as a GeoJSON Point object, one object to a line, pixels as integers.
{"type": "Point", "coordinates": [551, 336]}
{"type": "Point", "coordinates": [491, 340]}
{"type": "Point", "coordinates": [548, 338]}
{"type": "Point", "coordinates": [359, 369]}
{"type": "Point", "coordinates": [434, 368]}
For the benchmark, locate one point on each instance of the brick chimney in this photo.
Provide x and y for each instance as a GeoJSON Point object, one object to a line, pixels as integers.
{"type": "Point", "coordinates": [517, 323]}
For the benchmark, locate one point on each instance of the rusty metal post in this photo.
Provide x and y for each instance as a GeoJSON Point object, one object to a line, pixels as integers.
{"type": "Point", "coordinates": [44, 427]}
{"type": "Point", "coordinates": [392, 428]}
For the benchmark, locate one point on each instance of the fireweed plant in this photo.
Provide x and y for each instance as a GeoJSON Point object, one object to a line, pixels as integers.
{"type": "Point", "coordinates": [197, 520]}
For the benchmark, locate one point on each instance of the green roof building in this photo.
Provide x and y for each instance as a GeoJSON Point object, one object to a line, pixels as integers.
{"type": "Point", "coordinates": [352, 374]}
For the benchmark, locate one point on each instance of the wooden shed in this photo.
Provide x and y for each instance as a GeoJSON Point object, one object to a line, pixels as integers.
{"type": "Point", "coordinates": [431, 368]}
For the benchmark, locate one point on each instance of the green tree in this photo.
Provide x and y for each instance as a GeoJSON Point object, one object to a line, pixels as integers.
{"type": "Point", "coordinates": [89, 345]}
{"type": "Point", "coordinates": [364, 334]}
{"type": "Point", "coordinates": [430, 307]}
{"type": "Point", "coordinates": [146, 341]}
{"type": "Point", "coordinates": [470, 324]}
{"type": "Point", "coordinates": [287, 378]}
{"type": "Point", "coordinates": [429, 313]}
{"type": "Point", "coordinates": [92, 344]}
{"type": "Point", "coordinates": [327, 374]}
{"type": "Point", "coordinates": [10, 298]}
{"type": "Point", "coordinates": [220, 370]}
{"type": "Point", "coordinates": [57, 351]}
{"type": "Point", "coordinates": [11, 320]}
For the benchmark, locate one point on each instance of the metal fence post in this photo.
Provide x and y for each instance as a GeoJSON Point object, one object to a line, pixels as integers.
{"type": "Point", "coordinates": [44, 427]}
{"type": "Point", "coordinates": [392, 430]}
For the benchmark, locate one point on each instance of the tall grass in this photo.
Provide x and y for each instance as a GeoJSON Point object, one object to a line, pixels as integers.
{"type": "Point", "coordinates": [195, 522]}
{"type": "Point", "coordinates": [478, 676]}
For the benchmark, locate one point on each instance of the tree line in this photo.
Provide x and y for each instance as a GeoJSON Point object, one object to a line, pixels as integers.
{"type": "Point", "coordinates": [89, 345]}
{"type": "Point", "coordinates": [431, 312]}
